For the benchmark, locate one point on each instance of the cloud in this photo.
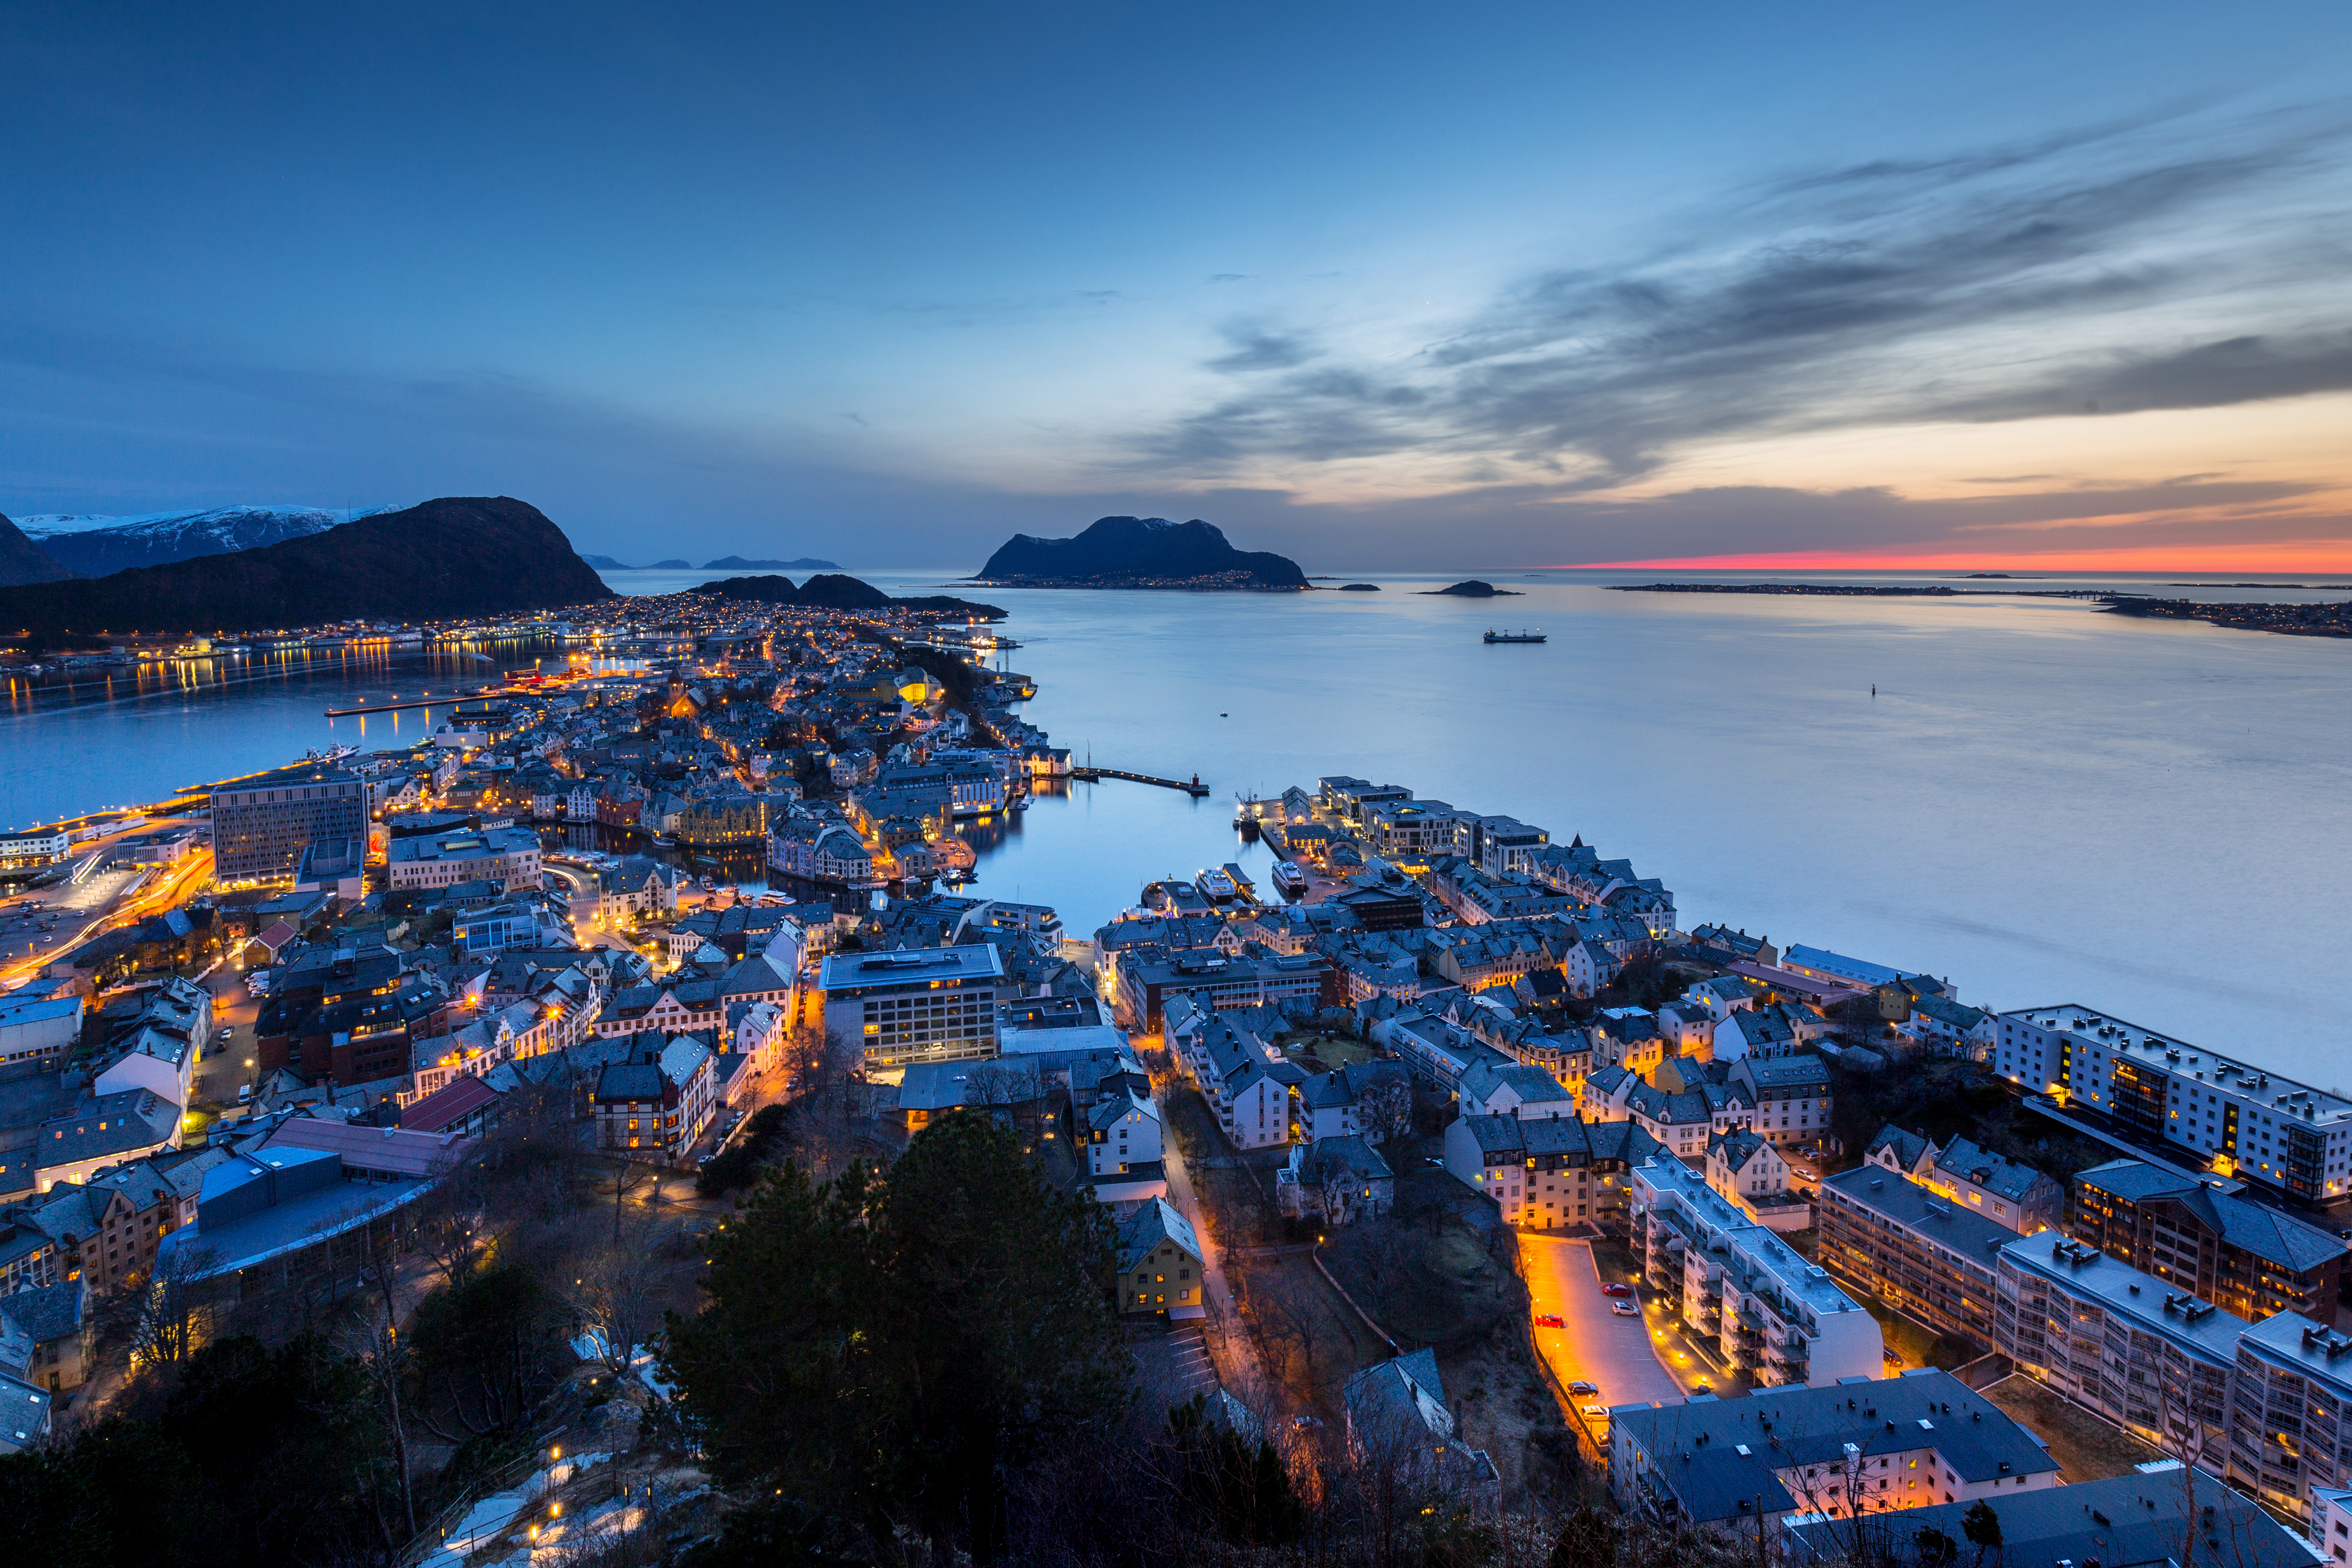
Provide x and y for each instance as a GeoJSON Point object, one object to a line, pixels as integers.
{"type": "Point", "coordinates": [1228, 277]}
{"type": "Point", "coordinates": [2131, 266]}
{"type": "Point", "coordinates": [1255, 349]}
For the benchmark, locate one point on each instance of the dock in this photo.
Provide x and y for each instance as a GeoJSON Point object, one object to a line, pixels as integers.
{"type": "Point", "coordinates": [1091, 774]}
{"type": "Point", "coordinates": [394, 707]}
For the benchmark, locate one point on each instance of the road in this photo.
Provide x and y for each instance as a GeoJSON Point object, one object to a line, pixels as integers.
{"type": "Point", "coordinates": [1229, 1347]}
{"type": "Point", "coordinates": [81, 916]}
{"type": "Point", "coordinates": [1593, 1344]}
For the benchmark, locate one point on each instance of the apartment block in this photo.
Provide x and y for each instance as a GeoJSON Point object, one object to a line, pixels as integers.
{"type": "Point", "coordinates": [1777, 1318]}
{"type": "Point", "coordinates": [2198, 1234]}
{"type": "Point", "coordinates": [1913, 1250]}
{"type": "Point", "coordinates": [917, 1005]}
{"type": "Point", "coordinates": [2153, 1360]}
{"type": "Point", "coordinates": [2215, 1112]}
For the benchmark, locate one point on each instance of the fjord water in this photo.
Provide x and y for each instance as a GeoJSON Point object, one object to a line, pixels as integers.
{"type": "Point", "coordinates": [2044, 802]}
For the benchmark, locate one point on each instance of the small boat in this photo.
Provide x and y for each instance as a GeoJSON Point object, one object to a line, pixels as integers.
{"type": "Point", "coordinates": [1515, 637]}
{"type": "Point", "coordinates": [1021, 805]}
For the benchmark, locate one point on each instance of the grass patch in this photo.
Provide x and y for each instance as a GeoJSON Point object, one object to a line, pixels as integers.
{"type": "Point", "coordinates": [2087, 1448]}
{"type": "Point", "coordinates": [1334, 1051]}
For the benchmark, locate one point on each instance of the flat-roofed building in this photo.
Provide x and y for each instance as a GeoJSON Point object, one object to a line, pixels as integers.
{"type": "Point", "coordinates": [2154, 1359]}
{"type": "Point", "coordinates": [2198, 1234]}
{"type": "Point", "coordinates": [2169, 1517]}
{"type": "Point", "coordinates": [2291, 1416]}
{"type": "Point", "coordinates": [2215, 1112]}
{"type": "Point", "coordinates": [38, 1028]}
{"type": "Point", "coordinates": [917, 1005]}
{"type": "Point", "coordinates": [1913, 1250]}
{"type": "Point", "coordinates": [1849, 1450]}
{"type": "Point", "coordinates": [507, 857]}
{"type": "Point", "coordinates": [262, 825]}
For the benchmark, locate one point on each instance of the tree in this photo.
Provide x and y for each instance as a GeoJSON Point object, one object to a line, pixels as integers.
{"type": "Point", "coordinates": [486, 1350]}
{"type": "Point", "coordinates": [1982, 1525]}
{"type": "Point", "coordinates": [1241, 1486]}
{"type": "Point", "coordinates": [1934, 1549]}
{"type": "Point", "coordinates": [890, 1350]}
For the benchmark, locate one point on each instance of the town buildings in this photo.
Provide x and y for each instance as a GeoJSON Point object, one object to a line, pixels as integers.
{"type": "Point", "coordinates": [1554, 1174]}
{"type": "Point", "coordinates": [1914, 1250]}
{"type": "Point", "coordinates": [2011, 1195]}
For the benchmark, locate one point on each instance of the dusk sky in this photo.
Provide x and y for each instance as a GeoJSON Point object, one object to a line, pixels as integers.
{"type": "Point", "coordinates": [1377, 286]}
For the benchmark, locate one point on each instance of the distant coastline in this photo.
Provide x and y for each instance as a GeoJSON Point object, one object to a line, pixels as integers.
{"type": "Point", "coordinates": [2286, 619]}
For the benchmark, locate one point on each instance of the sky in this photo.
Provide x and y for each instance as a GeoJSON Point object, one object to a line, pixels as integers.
{"type": "Point", "coordinates": [1378, 286]}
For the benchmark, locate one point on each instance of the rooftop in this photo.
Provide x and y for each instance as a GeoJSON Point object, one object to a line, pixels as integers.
{"type": "Point", "coordinates": [911, 967]}
{"type": "Point", "coordinates": [2100, 1033]}
{"type": "Point", "coordinates": [2148, 1302]}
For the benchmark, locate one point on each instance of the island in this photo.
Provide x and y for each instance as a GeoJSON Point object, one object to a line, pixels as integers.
{"type": "Point", "coordinates": [1359, 587]}
{"type": "Point", "coordinates": [671, 565]}
{"type": "Point", "coordinates": [1141, 553]}
{"type": "Point", "coordinates": [736, 563]}
{"type": "Point", "coordinates": [457, 556]}
{"type": "Point", "coordinates": [827, 591]}
{"type": "Point", "coordinates": [1475, 589]}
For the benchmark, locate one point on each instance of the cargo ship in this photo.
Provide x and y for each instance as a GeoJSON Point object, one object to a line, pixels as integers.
{"type": "Point", "coordinates": [1515, 637]}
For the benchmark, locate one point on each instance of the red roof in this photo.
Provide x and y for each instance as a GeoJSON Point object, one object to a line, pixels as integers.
{"type": "Point", "coordinates": [448, 1105]}
{"type": "Point", "coordinates": [278, 934]}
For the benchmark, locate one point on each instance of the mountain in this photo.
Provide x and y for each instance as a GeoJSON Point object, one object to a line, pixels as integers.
{"type": "Point", "coordinates": [831, 593]}
{"type": "Point", "coordinates": [1139, 552]}
{"type": "Point", "coordinates": [671, 566]}
{"type": "Point", "coordinates": [95, 546]}
{"type": "Point", "coordinates": [22, 560]}
{"type": "Point", "coordinates": [606, 564]}
{"type": "Point", "coordinates": [447, 559]}
{"type": "Point", "coordinates": [736, 563]}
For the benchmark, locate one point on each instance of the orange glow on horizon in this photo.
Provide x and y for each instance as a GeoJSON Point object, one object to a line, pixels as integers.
{"type": "Point", "coordinates": [2290, 557]}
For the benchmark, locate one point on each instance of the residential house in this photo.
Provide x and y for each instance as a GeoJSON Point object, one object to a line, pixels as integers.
{"type": "Point", "coordinates": [1552, 1174]}
{"type": "Point", "coordinates": [1790, 1094]}
{"type": "Point", "coordinates": [1510, 1089]}
{"type": "Point", "coordinates": [47, 1336]}
{"type": "Point", "coordinates": [1750, 1174]}
{"type": "Point", "coordinates": [1398, 1420]}
{"type": "Point", "coordinates": [1374, 1098]}
{"type": "Point", "coordinates": [1334, 1180]}
{"type": "Point", "coordinates": [1160, 1264]}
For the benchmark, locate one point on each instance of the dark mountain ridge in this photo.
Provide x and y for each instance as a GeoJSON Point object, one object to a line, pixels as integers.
{"type": "Point", "coordinates": [1139, 552]}
{"type": "Point", "coordinates": [22, 560]}
{"type": "Point", "coordinates": [455, 557]}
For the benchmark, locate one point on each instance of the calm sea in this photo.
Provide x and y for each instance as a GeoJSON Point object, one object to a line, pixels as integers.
{"type": "Point", "coordinates": [2046, 802]}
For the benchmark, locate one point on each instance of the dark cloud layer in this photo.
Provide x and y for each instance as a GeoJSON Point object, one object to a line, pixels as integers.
{"type": "Point", "coordinates": [1858, 295]}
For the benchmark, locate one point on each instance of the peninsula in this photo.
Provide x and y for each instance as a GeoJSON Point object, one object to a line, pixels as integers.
{"type": "Point", "coordinates": [827, 591]}
{"type": "Point", "coordinates": [457, 556]}
{"type": "Point", "coordinates": [1141, 553]}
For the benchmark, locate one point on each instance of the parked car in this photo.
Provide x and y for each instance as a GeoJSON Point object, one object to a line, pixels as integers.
{"type": "Point", "coordinates": [245, 1094]}
{"type": "Point", "coordinates": [1616, 1290]}
{"type": "Point", "coordinates": [1547, 1321]}
{"type": "Point", "coordinates": [1625, 1309]}
{"type": "Point", "coordinates": [1580, 1386]}
{"type": "Point", "coordinates": [1594, 1412]}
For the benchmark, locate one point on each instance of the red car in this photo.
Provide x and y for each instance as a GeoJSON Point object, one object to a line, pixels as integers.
{"type": "Point", "coordinates": [1616, 1290]}
{"type": "Point", "coordinates": [1547, 1321]}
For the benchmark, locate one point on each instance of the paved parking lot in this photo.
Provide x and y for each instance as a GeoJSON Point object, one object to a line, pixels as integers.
{"type": "Point", "coordinates": [1593, 1345]}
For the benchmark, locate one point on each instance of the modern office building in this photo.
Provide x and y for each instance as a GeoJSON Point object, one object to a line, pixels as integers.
{"type": "Point", "coordinates": [917, 1005]}
{"type": "Point", "coordinates": [2198, 1234]}
{"type": "Point", "coordinates": [262, 825]}
{"type": "Point", "coordinates": [1914, 1250]}
{"type": "Point", "coordinates": [2154, 1359]}
{"type": "Point", "coordinates": [2215, 1112]}
{"type": "Point", "coordinates": [1777, 1318]}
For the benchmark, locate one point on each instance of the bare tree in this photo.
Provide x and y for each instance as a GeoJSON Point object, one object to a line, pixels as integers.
{"type": "Point", "coordinates": [171, 1322]}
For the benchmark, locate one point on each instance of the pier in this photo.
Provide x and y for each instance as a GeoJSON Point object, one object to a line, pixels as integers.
{"type": "Point", "coordinates": [1092, 774]}
{"type": "Point", "coordinates": [393, 707]}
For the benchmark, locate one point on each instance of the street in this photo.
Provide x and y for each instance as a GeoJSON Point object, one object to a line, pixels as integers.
{"type": "Point", "coordinates": [1236, 1363]}
{"type": "Point", "coordinates": [1594, 1344]}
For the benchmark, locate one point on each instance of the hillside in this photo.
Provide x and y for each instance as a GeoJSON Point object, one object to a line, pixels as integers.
{"type": "Point", "coordinates": [445, 558]}
{"type": "Point", "coordinates": [98, 546]}
{"type": "Point", "coordinates": [1139, 552]}
{"type": "Point", "coordinates": [827, 591]}
{"type": "Point", "coordinates": [22, 560]}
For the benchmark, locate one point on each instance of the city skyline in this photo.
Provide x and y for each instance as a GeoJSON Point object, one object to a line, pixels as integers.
{"type": "Point", "coordinates": [1703, 290]}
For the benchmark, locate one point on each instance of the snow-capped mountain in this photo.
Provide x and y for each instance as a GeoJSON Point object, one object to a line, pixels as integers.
{"type": "Point", "coordinates": [95, 546]}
